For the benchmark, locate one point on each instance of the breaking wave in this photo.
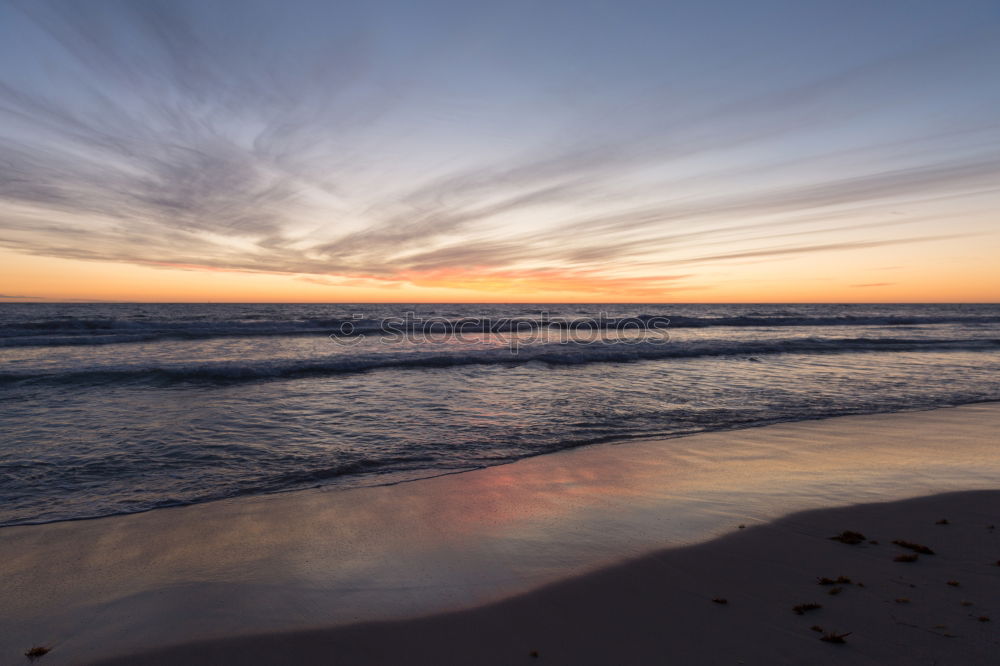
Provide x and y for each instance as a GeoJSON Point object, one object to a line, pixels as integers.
{"type": "Point", "coordinates": [553, 353]}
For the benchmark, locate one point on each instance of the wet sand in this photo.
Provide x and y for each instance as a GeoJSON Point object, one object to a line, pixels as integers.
{"type": "Point", "coordinates": [730, 601]}
{"type": "Point", "coordinates": [332, 562]}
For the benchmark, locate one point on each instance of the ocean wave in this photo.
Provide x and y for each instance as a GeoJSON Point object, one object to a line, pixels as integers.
{"type": "Point", "coordinates": [375, 471]}
{"type": "Point", "coordinates": [552, 353]}
{"type": "Point", "coordinates": [104, 331]}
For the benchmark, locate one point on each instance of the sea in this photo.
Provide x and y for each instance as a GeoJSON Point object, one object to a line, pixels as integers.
{"type": "Point", "coordinates": [120, 408]}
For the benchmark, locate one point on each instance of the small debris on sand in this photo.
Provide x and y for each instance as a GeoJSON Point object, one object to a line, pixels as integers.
{"type": "Point", "coordinates": [849, 537]}
{"type": "Point", "coordinates": [720, 600]}
{"type": "Point", "coordinates": [36, 652]}
{"type": "Point", "coordinates": [943, 521]}
{"type": "Point", "coordinates": [839, 580]}
{"type": "Point", "coordinates": [902, 600]}
{"type": "Point", "coordinates": [915, 547]}
{"type": "Point", "coordinates": [905, 558]}
{"type": "Point", "coordinates": [953, 583]}
{"type": "Point", "coordinates": [831, 637]}
{"type": "Point", "coordinates": [802, 608]}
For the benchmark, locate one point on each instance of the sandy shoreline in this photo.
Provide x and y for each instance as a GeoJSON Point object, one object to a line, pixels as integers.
{"type": "Point", "coordinates": [943, 608]}
{"type": "Point", "coordinates": [315, 560]}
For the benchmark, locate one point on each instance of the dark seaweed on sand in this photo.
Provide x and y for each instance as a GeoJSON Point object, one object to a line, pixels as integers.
{"type": "Point", "coordinates": [839, 580]}
{"type": "Point", "coordinates": [915, 547]}
{"type": "Point", "coordinates": [36, 652]}
{"type": "Point", "coordinates": [849, 537]}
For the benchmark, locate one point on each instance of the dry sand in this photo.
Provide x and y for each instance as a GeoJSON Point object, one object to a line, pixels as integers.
{"type": "Point", "coordinates": [941, 609]}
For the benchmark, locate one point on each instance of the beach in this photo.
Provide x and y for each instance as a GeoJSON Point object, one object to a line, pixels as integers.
{"type": "Point", "coordinates": [747, 598]}
{"type": "Point", "coordinates": [604, 554]}
{"type": "Point", "coordinates": [591, 334]}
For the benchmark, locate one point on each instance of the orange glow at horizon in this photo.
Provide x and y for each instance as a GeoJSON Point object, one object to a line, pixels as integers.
{"type": "Point", "coordinates": [26, 278]}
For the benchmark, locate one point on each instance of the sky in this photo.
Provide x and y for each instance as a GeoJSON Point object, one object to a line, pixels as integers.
{"type": "Point", "coordinates": [619, 151]}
